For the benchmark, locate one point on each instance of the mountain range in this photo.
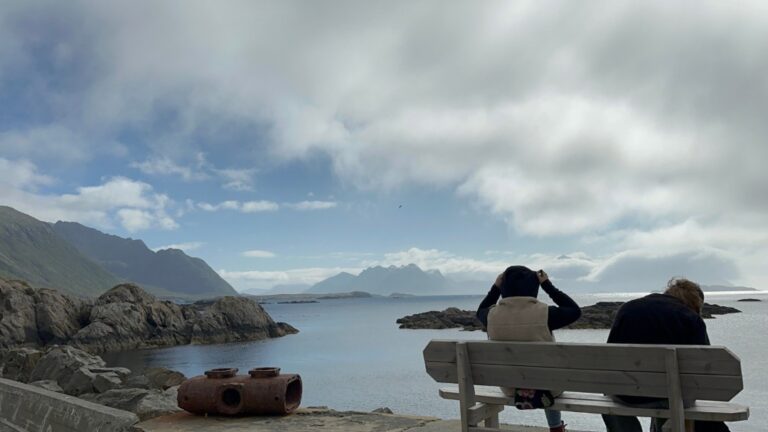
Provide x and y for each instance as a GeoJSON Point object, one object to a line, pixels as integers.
{"type": "Point", "coordinates": [408, 279]}
{"type": "Point", "coordinates": [86, 262]}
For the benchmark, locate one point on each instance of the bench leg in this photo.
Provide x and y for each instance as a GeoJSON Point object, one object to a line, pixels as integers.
{"type": "Point", "coordinates": [492, 421]}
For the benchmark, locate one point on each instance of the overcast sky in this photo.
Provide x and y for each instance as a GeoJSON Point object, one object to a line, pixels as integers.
{"type": "Point", "coordinates": [615, 143]}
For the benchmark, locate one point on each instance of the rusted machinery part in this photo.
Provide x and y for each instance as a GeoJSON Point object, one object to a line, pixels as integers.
{"type": "Point", "coordinates": [223, 393]}
{"type": "Point", "coordinates": [264, 372]}
{"type": "Point", "coordinates": [221, 373]}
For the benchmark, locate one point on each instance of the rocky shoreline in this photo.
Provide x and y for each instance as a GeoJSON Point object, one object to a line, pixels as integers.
{"type": "Point", "coordinates": [124, 318]}
{"type": "Point", "coordinates": [68, 370]}
{"type": "Point", "coordinates": [597, 316]}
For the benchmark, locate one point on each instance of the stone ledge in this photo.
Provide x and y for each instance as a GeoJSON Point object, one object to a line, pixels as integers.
{"type": "Point", "coordinates": [28, 408]}
{"type": "Point", "coordinates": [311, 420]}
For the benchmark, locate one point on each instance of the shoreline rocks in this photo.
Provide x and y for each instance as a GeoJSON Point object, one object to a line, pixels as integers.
{"type": "Point", "coordinates": [126, 317]}
{"type": "Point", "coordinates": [597, 316]}
{"type": "Point", "coordinates": [68, 370]}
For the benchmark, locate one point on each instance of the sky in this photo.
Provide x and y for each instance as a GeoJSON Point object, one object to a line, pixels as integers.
{"type": "Point", "coordinates": [612, 143]}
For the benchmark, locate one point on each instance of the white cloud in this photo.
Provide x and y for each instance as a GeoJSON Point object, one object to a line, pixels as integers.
{"type": "Point", "coordinates": [198, 170]}
{"type": "Point", "coordinates": [255, 253]}
{"type": "Point", "coordinates": [312, 205]}
{"type": "Point", "coordinates": [186, 247]}
{"type": "Point", "coordinates": [265, 206]}
{"type": "Point", "coordinates": [21, 174]}
{"type": "Point", "coordinates": [135, 205]}
{"type": "Point", "coordinates": [165, 166]}
{"type": "Point", "coordinates": [259, 206]}
{"type": "Point", "coordinates": [224, 205]}
{"type": "Point", "coordinates": [562, 119]}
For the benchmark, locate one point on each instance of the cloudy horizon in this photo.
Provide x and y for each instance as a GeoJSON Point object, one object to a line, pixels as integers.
{"type": "Point", "coordinates": [608, 142]}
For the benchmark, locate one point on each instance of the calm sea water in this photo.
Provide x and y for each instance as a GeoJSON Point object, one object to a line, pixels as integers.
{"type": "Point", "coordinates": [352, 356]}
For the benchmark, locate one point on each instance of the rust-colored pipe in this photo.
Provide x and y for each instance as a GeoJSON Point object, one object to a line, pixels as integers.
{"type": "Point", "coordinates": [221, 391]}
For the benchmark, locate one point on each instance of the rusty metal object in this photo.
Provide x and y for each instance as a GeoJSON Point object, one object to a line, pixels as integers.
{"type": "Point", "coordinates": [221, 391]}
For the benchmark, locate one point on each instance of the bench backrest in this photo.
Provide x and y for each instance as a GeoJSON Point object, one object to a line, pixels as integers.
{"type": "Point", "coordinates": [706, 372]}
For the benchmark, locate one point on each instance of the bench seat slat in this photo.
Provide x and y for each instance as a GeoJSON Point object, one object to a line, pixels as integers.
{"type": "Point", "coordinates": [598, 404]}
{"type": "Point", "coordinates": [704, 387]}
{"type": "Point", "coordinates": [620, 357]}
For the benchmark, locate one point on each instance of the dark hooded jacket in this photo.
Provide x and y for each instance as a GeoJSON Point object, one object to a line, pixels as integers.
{"type": "Point", "coordinates": [520, 281]}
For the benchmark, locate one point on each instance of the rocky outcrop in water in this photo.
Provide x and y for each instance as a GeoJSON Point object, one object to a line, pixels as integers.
{"type": "Point", "coordinates": [126, 317]}
{"type": "Point", "coordinates": [750, 300]}
{"type": "Point", "coordinates": [449, 318]}
{"type": "Point", "coordinates": [597, 316]}
{"type": "Point", "coordinates": [68, 370]}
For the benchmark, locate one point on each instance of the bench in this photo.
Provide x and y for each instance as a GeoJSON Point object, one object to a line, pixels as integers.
{"type": "Point", "coordinates": [586, 373]}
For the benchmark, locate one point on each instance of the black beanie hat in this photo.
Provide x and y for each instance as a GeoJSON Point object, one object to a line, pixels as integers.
{"type": "Point", "coordinates": [519, 281]}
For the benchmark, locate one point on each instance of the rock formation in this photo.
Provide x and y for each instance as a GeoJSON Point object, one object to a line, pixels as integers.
{"type": "Point", "coordinates": [449, 318]}
{"type": "Point", "coordinates": [68, 370]}
{"type": "Point", "coordinates": [126, 317]}
{"type": "Point", "coordinates": [597, 316]}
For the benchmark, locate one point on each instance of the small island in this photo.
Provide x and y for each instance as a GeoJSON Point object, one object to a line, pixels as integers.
{"type": "Point", "coordinates": [749, 300]}
{"type": "Point", "coordinates": [598, 316]}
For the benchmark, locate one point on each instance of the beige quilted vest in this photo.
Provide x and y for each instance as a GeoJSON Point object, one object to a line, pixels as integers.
{"type": "Point", "coordinates": [519, 319]}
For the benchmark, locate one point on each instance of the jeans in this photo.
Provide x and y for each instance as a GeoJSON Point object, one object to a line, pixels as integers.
{"type": "Point", "coordinates": [614, 423]}
{"type": "Point", "coordinates": [554, 418]}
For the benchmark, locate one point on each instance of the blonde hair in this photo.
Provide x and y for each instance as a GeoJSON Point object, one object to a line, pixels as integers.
{"type": "Point", "coordinates": [689, 292]}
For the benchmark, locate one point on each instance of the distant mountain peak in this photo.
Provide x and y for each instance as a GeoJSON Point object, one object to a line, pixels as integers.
{"type": "Point", "coordinates": [409, 279]}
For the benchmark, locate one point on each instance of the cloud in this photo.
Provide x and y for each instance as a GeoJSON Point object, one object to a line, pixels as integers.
{"type": "Point", "coordinates": [258, 206]}
{"type": "Point", "coordinates": [312, 205]}
{"type": "Point", "coordinates": [265, 206]}
{"type": "Point", "coordinates": [199, 170]}
{"type": "Point", "coordinates": [186, 247]}
{"type": "Point", "coordinates": [21, 174]}
{"type": "Point", "coordinates": [224, 205]}
{"type": "Point", "coordinates": [165, 166]}
{"type": "Point", "coordinates": [556, 138]}
{"type": "Point", "coordinates": [135, 205]}
{"type": "Point", "coordinates": [255, 253]}
{"type": "Point", "coordinates": [564, 120]}
{"type": "Point", "coordinates": [644, 271]}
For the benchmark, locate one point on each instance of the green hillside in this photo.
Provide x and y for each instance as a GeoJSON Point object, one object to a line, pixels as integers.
{"type": "Point", "coordinates": [168, 272]}
{"type": "Point", "coordinates": [32, 251]}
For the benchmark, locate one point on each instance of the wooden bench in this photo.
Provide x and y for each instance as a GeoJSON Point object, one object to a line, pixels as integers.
{"type": "Point", "coordinates": [586, 372]}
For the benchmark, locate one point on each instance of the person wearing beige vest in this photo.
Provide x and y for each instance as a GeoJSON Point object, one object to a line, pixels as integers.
{"type": "Point", "coordinates": [519, 316]}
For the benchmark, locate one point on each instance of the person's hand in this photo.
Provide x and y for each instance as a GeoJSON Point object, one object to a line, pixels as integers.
{"type": "Point", "coordinates": [499, 280]}
{"type": "Point", "coordinates": [542, 275]}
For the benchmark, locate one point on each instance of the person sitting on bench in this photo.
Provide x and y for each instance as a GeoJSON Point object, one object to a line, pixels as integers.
{"type": "Point", "coordinates": [672, 318]}
{"type": "Point", "coordinates": [520, 317]}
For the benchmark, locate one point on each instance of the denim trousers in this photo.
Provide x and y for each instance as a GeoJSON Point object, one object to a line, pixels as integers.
{"type": "Point", "coordinates": [554, 418]}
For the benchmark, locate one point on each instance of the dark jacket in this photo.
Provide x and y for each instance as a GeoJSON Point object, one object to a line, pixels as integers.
{"type": "Point", "coordinates": [565, 313]}
{"type": "Point", "coordinates": [657, 319]}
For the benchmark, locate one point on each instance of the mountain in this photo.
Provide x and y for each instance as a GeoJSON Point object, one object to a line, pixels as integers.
{"type": "Point", "coordinates": [31, 250]}
{"type": "Point", "coordinates": [168, 272]}
{"type": "Point", "coordinates": [296, 288]}
{"type": "Point", "coordinates": [334, 284]}
{"type": "Point", "coordinates": [408, 279]}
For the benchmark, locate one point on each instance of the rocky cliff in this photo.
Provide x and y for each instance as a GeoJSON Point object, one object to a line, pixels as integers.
{"type": "Point", "coordinates": [126, 317]}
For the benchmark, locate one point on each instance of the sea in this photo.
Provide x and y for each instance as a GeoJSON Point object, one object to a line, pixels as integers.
{"type": "Point", "coordinates": [351, 355]}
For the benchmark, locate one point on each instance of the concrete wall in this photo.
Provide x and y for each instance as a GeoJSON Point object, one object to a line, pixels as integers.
{"type": "Point", "coordinates": [32, 409]}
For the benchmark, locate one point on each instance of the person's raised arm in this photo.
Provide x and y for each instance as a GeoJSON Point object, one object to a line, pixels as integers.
{"type": "Point", "coordinates": [490, 299]}
{"type": "Point", "coordinates": [566, 312]}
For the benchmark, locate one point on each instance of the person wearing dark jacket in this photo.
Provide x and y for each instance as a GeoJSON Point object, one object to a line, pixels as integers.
{"type": "Point", "coordinates": [672, 318]}
{"type": "Point", "coordinates": [519, 316]}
